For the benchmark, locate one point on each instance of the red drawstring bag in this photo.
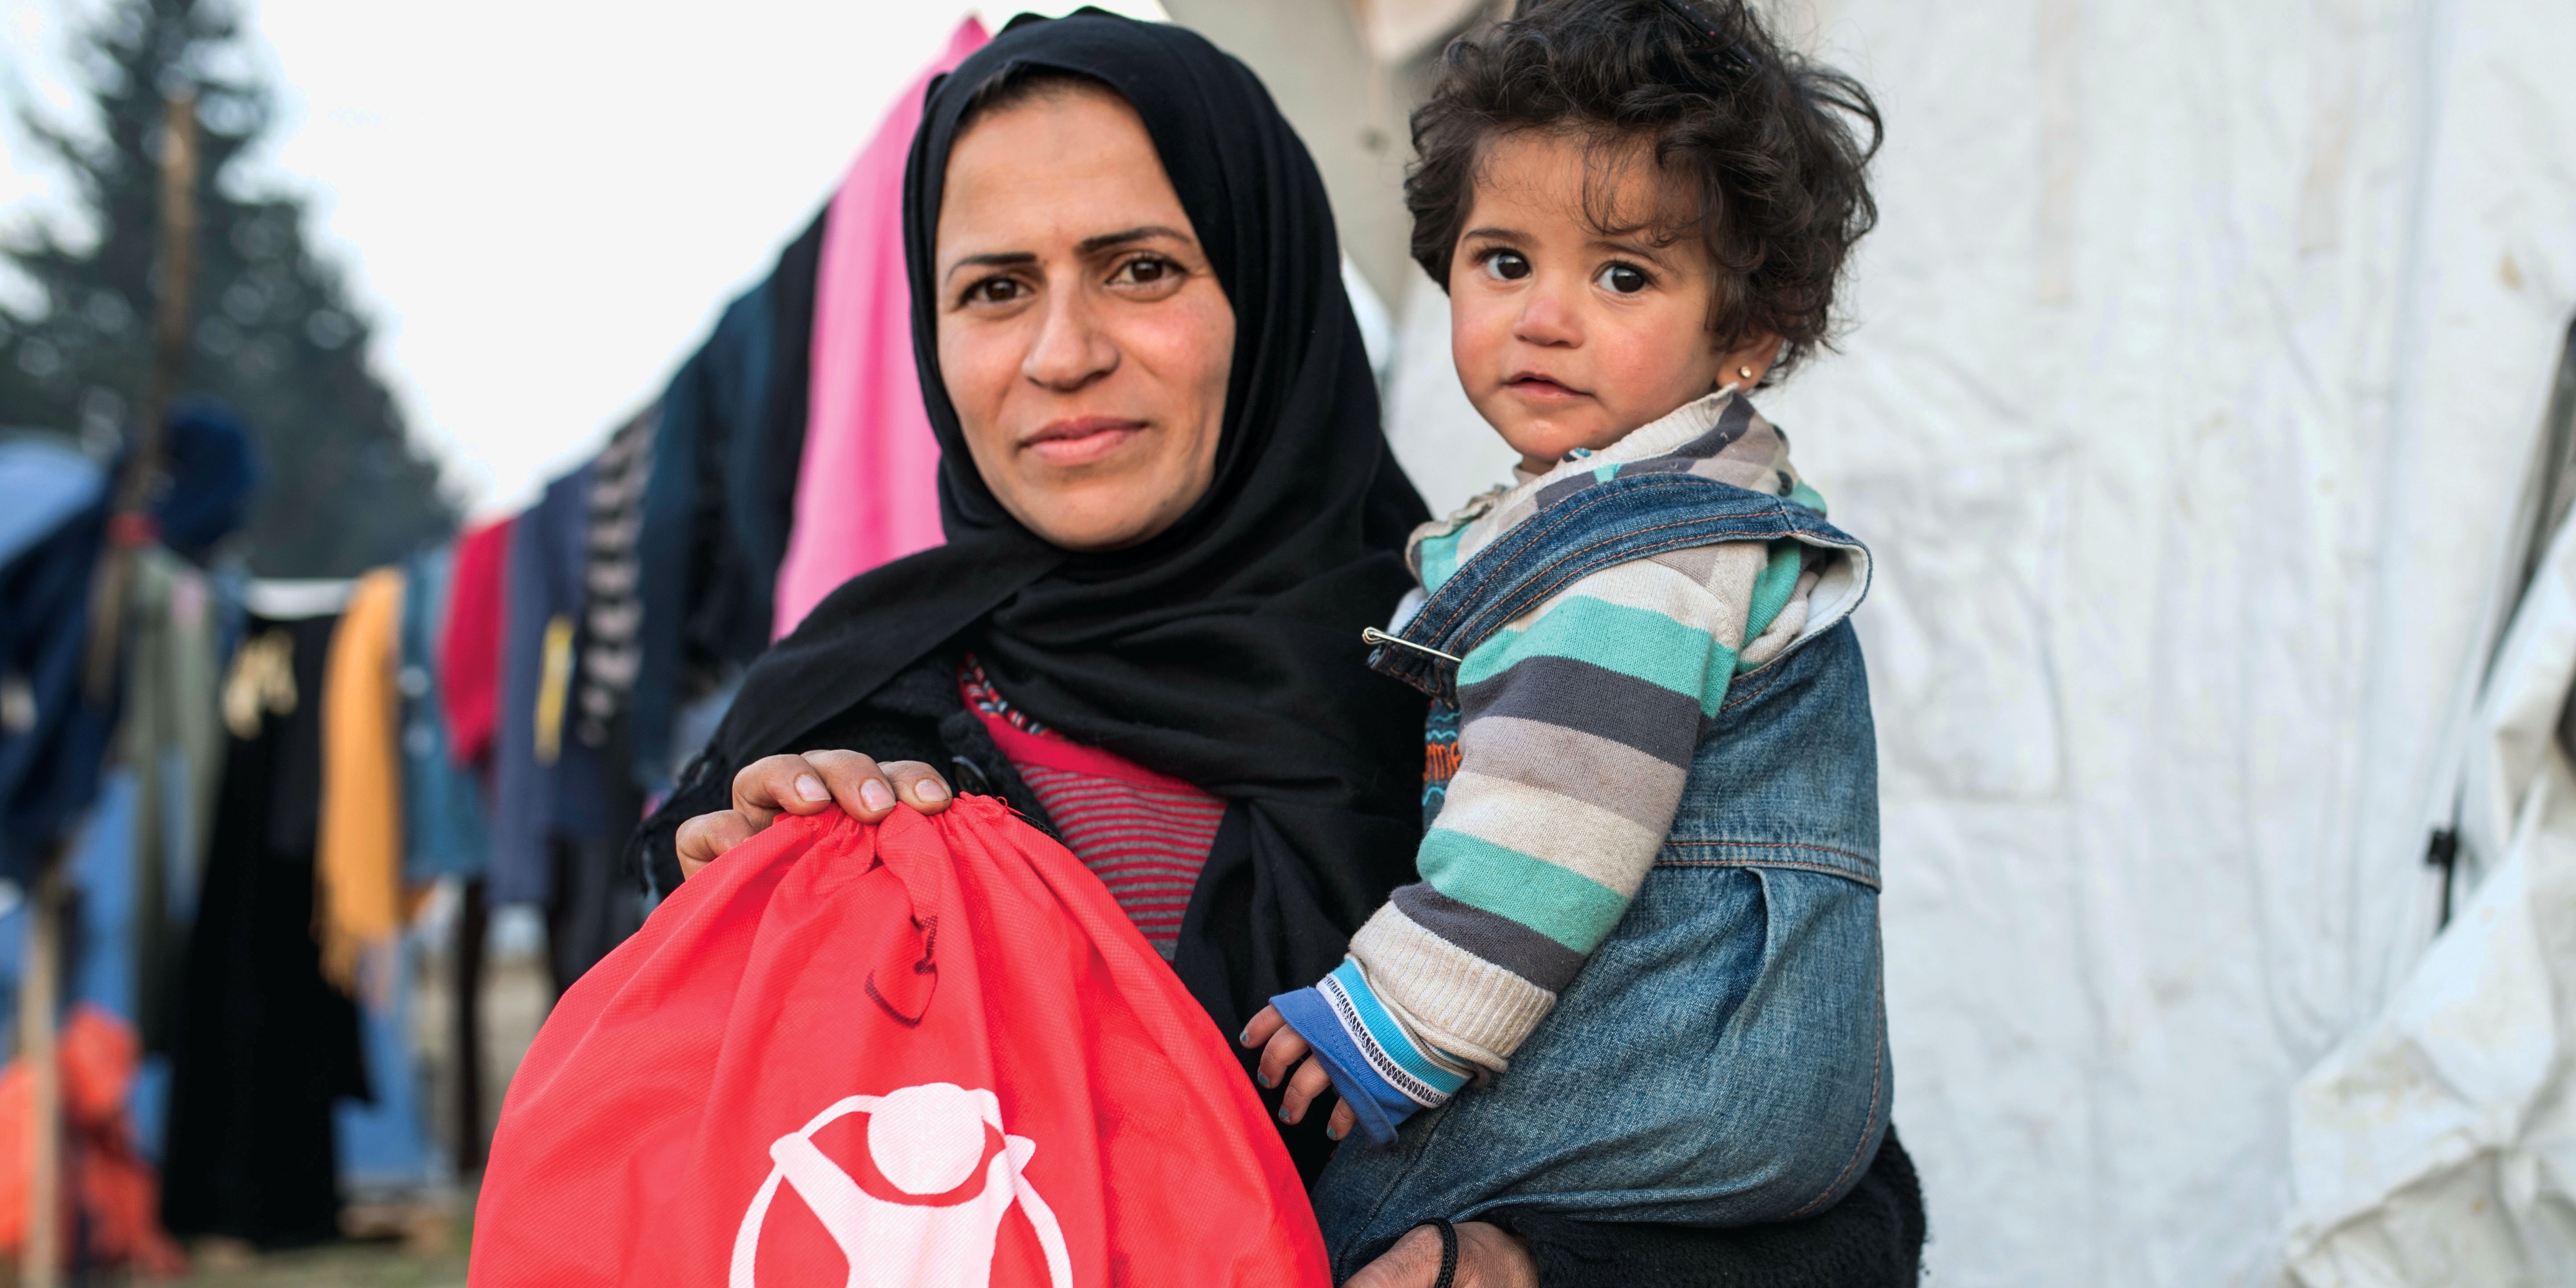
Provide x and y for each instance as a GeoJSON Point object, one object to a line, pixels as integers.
{"type": "Point", "coordinates": [927, 1053]}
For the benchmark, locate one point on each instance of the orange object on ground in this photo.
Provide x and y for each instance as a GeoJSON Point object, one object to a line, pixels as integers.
{"type": "Point", "coordinates": [118, 1194]}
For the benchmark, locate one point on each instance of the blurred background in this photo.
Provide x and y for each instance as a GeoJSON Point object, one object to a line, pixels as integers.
{"type": "Point", "coordinates": [2207, 403]}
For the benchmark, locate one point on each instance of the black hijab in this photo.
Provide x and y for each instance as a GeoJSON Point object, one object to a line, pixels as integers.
{"type": "Point", "coordinates": [1225, 651]}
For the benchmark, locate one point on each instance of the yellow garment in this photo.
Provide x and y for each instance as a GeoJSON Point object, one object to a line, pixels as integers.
{"type": "Point", "coordinates": [262, 683]}
{"type": "Point", "coordinates": [554, 685]}
{"type": "Point", "coordinates": [357, 862]}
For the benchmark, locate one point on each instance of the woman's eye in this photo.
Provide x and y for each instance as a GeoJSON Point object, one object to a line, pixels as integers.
{"type": "Point", "coordinates": [1507, 265]}
{"type": "Point", "coordinates": [1145, 270]}
{"type": "Point", "coordinates": [1624, 279]}
{"type": "Point", "coordinates": [995, 290]}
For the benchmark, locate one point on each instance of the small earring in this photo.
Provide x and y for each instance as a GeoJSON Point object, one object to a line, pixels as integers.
{"type": "Point", "coordinates": [1746, 372]}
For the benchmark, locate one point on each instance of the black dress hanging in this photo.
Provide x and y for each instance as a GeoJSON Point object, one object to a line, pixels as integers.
{"type": "Point", "coordinates": [262, 1045]}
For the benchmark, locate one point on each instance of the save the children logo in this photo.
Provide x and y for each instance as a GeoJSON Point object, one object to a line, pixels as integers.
{"type": "Point", "coordinates": [928, 1222]}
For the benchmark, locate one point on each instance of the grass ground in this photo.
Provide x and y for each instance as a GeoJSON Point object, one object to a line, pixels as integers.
{"type": "Point", "coordinates": [344, 1265]}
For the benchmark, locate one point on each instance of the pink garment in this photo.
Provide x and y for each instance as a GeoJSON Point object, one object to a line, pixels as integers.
{"type": "Point", "coordinates": [868, 488]}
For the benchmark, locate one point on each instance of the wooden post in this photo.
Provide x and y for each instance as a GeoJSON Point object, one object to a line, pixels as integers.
{"type": "Point", "coordinates": [41, 1257]}
{"type": "Point", "coordinates": [40, 989]}
{"type": "Point", "coordinates": [169, 361]}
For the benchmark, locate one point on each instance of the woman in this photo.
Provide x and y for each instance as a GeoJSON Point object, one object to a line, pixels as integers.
{"type": "Point", "coordinates": [1170, 513]}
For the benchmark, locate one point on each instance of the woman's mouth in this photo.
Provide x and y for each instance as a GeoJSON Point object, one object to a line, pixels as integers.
{"type": "Point", "coordinates": [1080, 440]}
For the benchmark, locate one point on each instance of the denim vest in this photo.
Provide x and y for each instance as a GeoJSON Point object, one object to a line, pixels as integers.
{"type": "Point", "coordinates": [1786, 773]}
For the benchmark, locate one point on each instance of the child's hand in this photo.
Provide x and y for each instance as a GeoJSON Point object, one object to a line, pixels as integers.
{"type": "Point", "coordinates": [1282, 1049]}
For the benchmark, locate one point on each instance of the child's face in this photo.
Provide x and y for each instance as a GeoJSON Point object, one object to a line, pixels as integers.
{"type": "Point", "coordinates": [1566, 336]}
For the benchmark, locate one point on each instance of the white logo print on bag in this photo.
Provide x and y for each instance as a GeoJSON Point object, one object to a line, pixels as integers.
{"type": "Point", "coordinates": [925, 1140]}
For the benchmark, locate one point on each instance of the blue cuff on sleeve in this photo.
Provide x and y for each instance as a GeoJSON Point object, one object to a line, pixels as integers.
{"type": "Point", "coordinates": [1374, 1065]}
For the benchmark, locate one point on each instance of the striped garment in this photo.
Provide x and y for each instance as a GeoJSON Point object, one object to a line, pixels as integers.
{"type": "Point", "coordinates": [1574, 732]}
{"type": "Point", "coordinates": [1144, 835]}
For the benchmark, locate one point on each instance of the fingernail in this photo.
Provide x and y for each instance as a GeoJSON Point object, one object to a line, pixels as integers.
{"type": "Point", "coordinates": [874, 795]}
{"type": "Point", "coordinates": [1244, 1037]}
{"type": "Point", "coordinates": [1333, 1133]}
{"type": "Point", "coordinates": [811, 788]}
{"type": "Point", "coordinates": [931, 789]}
{"type": "Point", "coordinates": [1283, 1115]}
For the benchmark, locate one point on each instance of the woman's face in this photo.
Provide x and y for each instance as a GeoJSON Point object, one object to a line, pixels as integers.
{"type": "Point", "coordinates": [1083, 337]}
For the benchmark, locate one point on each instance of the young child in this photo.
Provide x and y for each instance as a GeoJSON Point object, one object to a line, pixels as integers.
{"type": "Point", "coordinates": [1640, 978]}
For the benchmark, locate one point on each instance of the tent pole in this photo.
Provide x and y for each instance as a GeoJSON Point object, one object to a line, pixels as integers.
{"type": "Point", "coordinates": [39, 990]}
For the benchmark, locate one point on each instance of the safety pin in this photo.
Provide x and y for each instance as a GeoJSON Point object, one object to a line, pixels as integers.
{"type": "Point", "coordinates": [1372, 635]}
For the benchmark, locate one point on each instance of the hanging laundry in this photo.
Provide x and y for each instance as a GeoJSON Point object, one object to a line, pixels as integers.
{"type": "Point", "coordinates": [213, 462]}
{"type": "Point", "coordinates": [613, 608]}
{"type": "Point", "coordinates": [469, 654]}
{"type": "Point", "coordinates": [443, 828]}
{"type": "Point", "coordinates": [172, 742]}
{"type": "Point", "coordinates": [536, 786]}
{"type": "Point", "coordinates": [52, 740]}
{"type": "Point", "coordinates": [561, 821]}
{"type": "Point", "coordinates": [768, 450]}
{"type": "Point", "coordinates": [716, 515]}
{"type": "Point", "coordinates": [705, 617]}
{"type": "Point", "coordinates": [868, 488]}
{"type": "Point", "coordinates": [262, 1044]}
{"type": "Point", "coordinates": [359, 876]}
{"type": "Point", "coordinates": [358, 856]}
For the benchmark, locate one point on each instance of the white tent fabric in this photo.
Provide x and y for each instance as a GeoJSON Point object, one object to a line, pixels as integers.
{"type": "Point", "coordinates": [2197, 359]}
{"type": "Point", "coordinates": [2438, 1145]}
{"type": "Point", "coordinates": [1400, 29]}
{"type": "Point", "coordinates": [2199, 355]}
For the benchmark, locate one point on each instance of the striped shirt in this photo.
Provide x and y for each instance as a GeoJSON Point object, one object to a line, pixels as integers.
{"type": "Point", "coordinates": [1574, 733]}
{"type": "Point", "coordinates": [1144, 835]}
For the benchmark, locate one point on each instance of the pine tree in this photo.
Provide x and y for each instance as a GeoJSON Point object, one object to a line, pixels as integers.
{"type": "Point", "coordinates": [274, 332]}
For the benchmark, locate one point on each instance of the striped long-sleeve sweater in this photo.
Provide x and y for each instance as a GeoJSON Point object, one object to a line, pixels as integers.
{"type": "Point", "coordinates": [1576, 725]}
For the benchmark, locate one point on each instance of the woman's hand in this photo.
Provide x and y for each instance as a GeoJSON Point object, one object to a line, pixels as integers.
{"type": "Point", "coordinates": [808, 784]}
{"type": "Point", "coordinates": [1281, 1050]}
{"type": "Point", "coordinates": [1488, 1257]}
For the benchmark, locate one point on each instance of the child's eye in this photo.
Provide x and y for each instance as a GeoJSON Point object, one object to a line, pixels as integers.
{"type": "Point", "coordinates": [1507, 265]}
{"type": "Point", "coordinates": [1624, 279]}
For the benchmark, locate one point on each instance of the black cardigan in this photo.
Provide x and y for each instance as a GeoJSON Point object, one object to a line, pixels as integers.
{"type": "Point", "coordinates": [1873, 1238]}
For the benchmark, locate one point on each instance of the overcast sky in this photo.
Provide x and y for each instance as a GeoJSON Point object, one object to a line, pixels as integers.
{"type": "Point", "coordinates": [542, 204]}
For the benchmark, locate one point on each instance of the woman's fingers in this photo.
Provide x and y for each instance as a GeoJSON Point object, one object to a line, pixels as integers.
{"type": "Point", "coordinates": [919, 785]}
{"type": "Point", "coordinates": [1308, 1082]}
{"type": "Point", "coordinates": [1414, 1262]}
{"type": "Point", "coordinates": [1488, 1257]}
{"type": "Point", "coordinates": [775, 785]}
{"type": "Point", "coordinates": [856, 781]}
{"type": "Point", "coordinates": [702, 840]}
{"type": "Point", "coordinates": [807, 784]}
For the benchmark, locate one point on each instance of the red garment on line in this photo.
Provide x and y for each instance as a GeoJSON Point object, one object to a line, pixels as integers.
{"type": "Point", "coordinates": [1145, 835]}
{"type": "Point", "coordinates": [929, 1053]}
{"type": "Point", "coordinates": [469, 652]}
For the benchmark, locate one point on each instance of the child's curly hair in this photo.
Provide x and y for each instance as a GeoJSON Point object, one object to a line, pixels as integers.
{"type": "Point", "coordinates": [1767, 138]}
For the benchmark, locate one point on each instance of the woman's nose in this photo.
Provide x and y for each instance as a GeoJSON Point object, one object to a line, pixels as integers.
{"type": "Point", "coordinates": [1071, 350]}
